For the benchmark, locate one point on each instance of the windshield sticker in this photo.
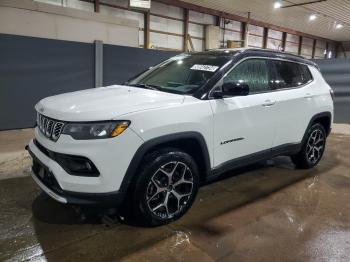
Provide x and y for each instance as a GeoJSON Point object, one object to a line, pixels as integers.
{"type": "Point", "coordinates": [209, 68]}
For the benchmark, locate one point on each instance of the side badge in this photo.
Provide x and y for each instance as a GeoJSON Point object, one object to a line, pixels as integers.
{"type": "Point", "coordinates": [231, 140]}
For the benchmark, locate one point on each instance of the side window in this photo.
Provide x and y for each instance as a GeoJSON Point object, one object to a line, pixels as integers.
{"type": "Point", "coordinates": [253, 72]}
{"type": "Point", "coordinates": [288, 74]}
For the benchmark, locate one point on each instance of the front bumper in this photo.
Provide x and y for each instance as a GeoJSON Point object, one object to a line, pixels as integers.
{"type": "Point", "coordinates": [45, 179]}
{"type": "Point", "coordinates": [110, 156]}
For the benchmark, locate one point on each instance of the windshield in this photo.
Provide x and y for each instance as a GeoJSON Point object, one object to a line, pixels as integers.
{"type": "Point", "coordinates": [181, 74]}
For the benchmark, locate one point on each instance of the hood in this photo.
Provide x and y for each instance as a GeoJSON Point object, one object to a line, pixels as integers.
{"type": "Point", "coordinates": [105, 103]}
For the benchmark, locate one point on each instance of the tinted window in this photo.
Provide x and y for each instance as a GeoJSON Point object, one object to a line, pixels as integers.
{"type": "Point", "coordinates": [288, 74]}
{"type": "Point", "coordinates": [252, 72]}
{"type": "Point", "coordinates": [181, 74]}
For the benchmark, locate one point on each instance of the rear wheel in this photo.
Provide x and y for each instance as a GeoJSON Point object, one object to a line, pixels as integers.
{"type": "Point", "coordinates": [312, 149]}
{"type": "Point", "coordinates": [166, 187]}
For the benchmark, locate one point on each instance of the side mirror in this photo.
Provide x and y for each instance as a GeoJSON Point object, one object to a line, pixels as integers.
{"type": "Point", "coordinates": [233, 88]}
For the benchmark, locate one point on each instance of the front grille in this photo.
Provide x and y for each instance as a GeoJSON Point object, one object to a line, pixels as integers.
{"type": "Point", "coordinates": [50, 128]}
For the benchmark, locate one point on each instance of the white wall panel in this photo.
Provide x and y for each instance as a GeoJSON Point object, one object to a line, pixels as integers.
{"type": "Point", "coordinates": [198, 45]}
{"type": "Point", "coordinates": [230, 35]}
{"type": "Point", "coordinates": [319, 53]}
{"type": "Point", "coordinates": [306, 47]}
{"type": "Point", "coordinates": [233, 25]}
{"type": "Point", "coordinates": [274, 44]}
{"type": "Point", "coordinates": [51, 2]}
{"type": "Point", "coordinates": [292, 38]}
{"type": "Point", "coordinates": [255, 41]}
{"type": "Point", "coordinates": [320, 48]}
{"type": "Point", "coordinates": [256, 30]}
{"type": "Point", "coordinates": [292, 48]}
{"type": "Point", "coordinates": [165, 41]}
{"type": "Point", "coordinates": [321, 44]}
{"type": "Point", "coordinates": [81, 5]}
{"type": "Point", "coordinates": [167, 10]}
{"type": "Point", "coordinates": [274, 34]}
{"type": "Point", "coordinates": [106, 10]}
{"type": "Point", "coordinates": [53, 22]}
{"type": "Point", "coordinates": [308, 41]}
{"type": "Point", "coordinates": [141, 38]}
{"type": "Point", "coordinates": [123, 3]}
{"type": "Point", "coordinates": [166, 25]}
{"type": "Point", "coordinates": [201, 18]}
{"type": "Point", "coordinates": [196, 30]}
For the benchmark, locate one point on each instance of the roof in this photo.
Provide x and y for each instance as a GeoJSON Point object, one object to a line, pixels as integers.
{"type": "Point", "coordinates": [245, 52]}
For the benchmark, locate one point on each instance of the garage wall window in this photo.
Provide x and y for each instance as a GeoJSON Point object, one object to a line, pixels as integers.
{"type": "Point", "coordinates": [196, 28]}
{"type": "Point", "coordinates": [292, 44]}
{"type": "Point", "coordinates": [230, 30]}
{"type": "Point", "coordinates": [274, 40]}
{"type": "Point", "coordinates": [306, 47]}
{"type": "Point", "coordinates": [320, 49]}
{"type": "Point", "coordinates": [166, 27]}
{"type": "Point", "coordinates": [255, 38]}
{"type": "Point", "coordinates": [77, 4]}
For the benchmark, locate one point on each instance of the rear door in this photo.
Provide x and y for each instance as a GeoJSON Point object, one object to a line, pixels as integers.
{"type": "Point", "coordinates": [243, 125]}
{"type": "Point", "coordinates": [293, 91]}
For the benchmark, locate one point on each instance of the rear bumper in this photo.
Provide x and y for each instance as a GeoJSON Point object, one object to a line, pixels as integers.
{"type": "Point", "coordinates": [46, 180]}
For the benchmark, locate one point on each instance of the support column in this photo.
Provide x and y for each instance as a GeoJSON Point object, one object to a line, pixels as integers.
{"type": "Point", "coordinates": [98, 63]}
{"type": "Point", "coordinates": [300, 44]}
{"type": "Point", "coordinates": [265, 34]}
{"type": "Point", "coordinates": [185, 39]}
{"type": "Point", "coordinates": [97, 6]}
{"type": "Point", "coordinates": [146, 30]}
{"type": "Point", "coordinates": [313, 48]}
{"type": "Point", "coordinates": [284, 41]}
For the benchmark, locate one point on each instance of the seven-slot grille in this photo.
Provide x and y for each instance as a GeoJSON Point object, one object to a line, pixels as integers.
{"type": "Point", "coordinates": [51, 128]}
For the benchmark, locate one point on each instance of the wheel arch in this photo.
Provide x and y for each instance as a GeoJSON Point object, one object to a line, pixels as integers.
{"type": "Point", "coordinates": [324, 118]}
{"type": "Point", "coordinates": [189, 142]}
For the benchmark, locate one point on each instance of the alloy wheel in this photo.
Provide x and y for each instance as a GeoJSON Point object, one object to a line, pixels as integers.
{"type": "Point", "coordinates": [169, 189]}
{"type": "Point", "coordinates": [315, 146]}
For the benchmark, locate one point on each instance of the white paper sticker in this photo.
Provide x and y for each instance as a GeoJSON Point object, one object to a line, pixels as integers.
{"type": "Point", "coordinates": [209, 68]}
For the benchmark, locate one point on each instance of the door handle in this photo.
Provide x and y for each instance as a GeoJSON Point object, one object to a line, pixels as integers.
{"type": "Point", "coordinates": [268, 103]}
{"type": "Point", "coordinates": [308, 95]}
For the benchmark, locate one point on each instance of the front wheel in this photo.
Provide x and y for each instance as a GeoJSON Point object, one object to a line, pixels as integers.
{"type": "Point", "coordinates": [312, 149]}
{"type": "Point", "coordinates": [166, 187]}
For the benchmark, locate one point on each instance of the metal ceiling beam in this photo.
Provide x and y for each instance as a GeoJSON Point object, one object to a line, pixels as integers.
{"type": "Point", "coordinates": [302, 4]}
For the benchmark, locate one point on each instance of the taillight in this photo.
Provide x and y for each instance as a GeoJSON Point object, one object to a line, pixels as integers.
{"type": "Point", "coordinates": [332, 93]}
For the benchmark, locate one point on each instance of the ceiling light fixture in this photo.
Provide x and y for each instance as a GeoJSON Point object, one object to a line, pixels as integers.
{"type": "Point", "coordinates": [338, 26]}
{"type": "Point", "coordinates": [312, 17]}
{"type": "Point", "coordinates": [277, 4]}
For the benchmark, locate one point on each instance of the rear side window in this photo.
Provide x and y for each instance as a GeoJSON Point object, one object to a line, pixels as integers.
{"type": "Point", "coordinates": [288, 74]}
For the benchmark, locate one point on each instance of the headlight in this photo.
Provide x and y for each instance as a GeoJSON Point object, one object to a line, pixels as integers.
{"type": "Point", "coordinates": [95, 130]}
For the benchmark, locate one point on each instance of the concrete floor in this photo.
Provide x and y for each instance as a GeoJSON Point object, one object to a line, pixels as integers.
{"type": "Point", "coordinates": [267, 212]}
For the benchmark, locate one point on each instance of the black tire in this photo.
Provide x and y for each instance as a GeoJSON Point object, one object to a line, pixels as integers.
{"type": "Point", "coordinates": [152, 179]}
{"type": "Point", "coordinates": [309, 156]}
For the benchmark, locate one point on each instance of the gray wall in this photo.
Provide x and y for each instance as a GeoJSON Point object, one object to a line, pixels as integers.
{"type": "Point", "coordinates": [33, 68]}
{"type": "Point", "coordinates": [337, 74]}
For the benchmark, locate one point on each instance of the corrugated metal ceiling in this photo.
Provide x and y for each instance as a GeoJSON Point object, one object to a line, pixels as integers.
{"type": "Point", "coordinates": [297, 18]}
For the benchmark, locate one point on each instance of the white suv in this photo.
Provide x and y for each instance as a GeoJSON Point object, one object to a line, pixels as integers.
{"type": "Point", "coordinates": [147, 145]}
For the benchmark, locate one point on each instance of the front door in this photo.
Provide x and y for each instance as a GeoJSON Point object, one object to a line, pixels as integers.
{"type": "Point", "coordinates": [244, 125]}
